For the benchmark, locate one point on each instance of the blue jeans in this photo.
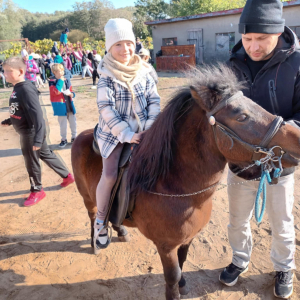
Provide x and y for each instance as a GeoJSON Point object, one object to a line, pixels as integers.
{"type": "Point", "coordinates": [86, 69]}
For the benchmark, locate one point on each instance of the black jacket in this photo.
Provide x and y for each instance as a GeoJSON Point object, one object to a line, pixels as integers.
{"type": "Point", "coordinates": [41, 64]}
{"type": "Point", "coordinates": [83, 61]}
{"type": "Point", "coordinates": [276, 86]}
{"type": "Point", "coordinates": [94, 62]}
{"type": "Point", "coordinates": [26, 113]}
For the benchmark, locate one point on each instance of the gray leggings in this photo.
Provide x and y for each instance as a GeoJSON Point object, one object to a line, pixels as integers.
{"type": "Point", "coordinates": [107, 181]}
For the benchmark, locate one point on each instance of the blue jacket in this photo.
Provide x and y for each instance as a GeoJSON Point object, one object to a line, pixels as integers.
{"type": "Point", "coordinates": [63, 38]}
{"type": "Point", "coordinates": [57, 98]}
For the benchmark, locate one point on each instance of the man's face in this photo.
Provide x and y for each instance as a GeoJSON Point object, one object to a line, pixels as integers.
{"type": "Point", "coordinates": [260, 46]}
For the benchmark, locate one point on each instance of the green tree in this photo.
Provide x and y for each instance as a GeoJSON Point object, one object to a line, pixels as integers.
{"type": "Point", "coordinates": [91, 16]}
{"type": "Point", "coordinates": [180, 8]}
{"type": "Point", "coordinates": [10, 27]}
{"type": "Point", "coordinates": [152, 9]}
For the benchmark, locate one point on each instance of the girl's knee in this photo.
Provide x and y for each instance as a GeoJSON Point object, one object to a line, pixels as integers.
{"type": "Point", "coordinates": [110, 179]}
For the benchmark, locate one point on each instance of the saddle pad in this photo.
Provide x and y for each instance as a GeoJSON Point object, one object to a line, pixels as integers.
{"type": "Point", "coordinates": [120, 197]}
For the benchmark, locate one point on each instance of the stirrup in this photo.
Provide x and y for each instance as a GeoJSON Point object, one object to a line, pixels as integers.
{"type": "Point", "coordinates": [97, 248]}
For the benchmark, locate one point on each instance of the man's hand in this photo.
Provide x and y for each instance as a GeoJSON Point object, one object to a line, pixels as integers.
{"type": "Point", "coordinates": [35, 148]}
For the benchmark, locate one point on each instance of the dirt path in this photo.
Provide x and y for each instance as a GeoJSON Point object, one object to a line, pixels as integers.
{"type": "Point", "coordinates": [45, 249]}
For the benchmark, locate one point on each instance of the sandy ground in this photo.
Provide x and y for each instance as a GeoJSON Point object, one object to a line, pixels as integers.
{"type": "Point", "coordinates": [45, 250]}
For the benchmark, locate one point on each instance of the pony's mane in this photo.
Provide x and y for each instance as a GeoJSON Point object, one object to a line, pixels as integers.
{"type": "Point", "coordinates": [153, 157]}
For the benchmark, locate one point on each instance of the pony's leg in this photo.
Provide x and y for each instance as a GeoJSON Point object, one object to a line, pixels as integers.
{"type": "Point", "coordinates": [122, 233]}
{"type": "Point", "coordinates": [92, 216]}
{"type": "Point", "coordinates": [172, 272]}
{"type": "Point", "coordinates": [182, 254]}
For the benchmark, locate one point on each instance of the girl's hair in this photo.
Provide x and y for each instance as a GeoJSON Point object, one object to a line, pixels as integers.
{"type": "Point", "coordinates": [15, 62]}
{"type": "Point", "coordinates": [57, 68]}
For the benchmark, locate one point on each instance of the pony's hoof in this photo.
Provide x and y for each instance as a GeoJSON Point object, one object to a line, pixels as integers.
{"type": "Point", "coordinates": [124, 238]}
{"type": "Point", "coordinates": [184, 290]}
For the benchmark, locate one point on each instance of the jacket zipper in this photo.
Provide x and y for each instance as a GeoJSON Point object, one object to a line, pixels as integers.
{"type": "Point", "coordinates": [273, 97]}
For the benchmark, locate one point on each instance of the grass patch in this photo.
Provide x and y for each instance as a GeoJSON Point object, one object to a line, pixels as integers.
{"type": "Point", "coordinates": [4, 99]}
{"type": "Point", "coordinates": [80, 89]}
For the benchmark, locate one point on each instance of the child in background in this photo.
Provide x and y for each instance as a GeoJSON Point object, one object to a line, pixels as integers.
{"type": "Point", "coordinates": [31, 67]}
{"type": "Point", "coordinates": [64, 37]}
{"type": "Point", "coordinates": [61, 97]}
{"type": "Point", "coordinates": [95, 60]}
{"type": "Point", "coordinates": [36, 58]}
{"type": "Point", "coordinates": [145, 56]}
{"type": "Point", "coordinates": [84, 65]}
{"type": "Point", "coordinates": [2, 74]}
{"type": "Point", "coordinates": [67, 61]}
{"type": "Point", "coordinates": [48, 63]}
{"type": "Point", "coordinates": [26, 116]}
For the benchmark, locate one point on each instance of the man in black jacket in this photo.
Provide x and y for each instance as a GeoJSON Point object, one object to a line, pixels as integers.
{"type": "Point", "coordinates": [268, 60]}
{"type": "Point", "coordinates": [26, 116]}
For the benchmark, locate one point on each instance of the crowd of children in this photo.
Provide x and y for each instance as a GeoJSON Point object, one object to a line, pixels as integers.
{"type": "Point", "coordinates": [123, 77]}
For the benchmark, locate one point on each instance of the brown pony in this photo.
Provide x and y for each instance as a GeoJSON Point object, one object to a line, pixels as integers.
{"type": "Point", "coordinates": [181, 154]}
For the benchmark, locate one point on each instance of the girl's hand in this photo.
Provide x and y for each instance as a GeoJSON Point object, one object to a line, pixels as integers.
{"type": "Point", "coordinates": [29, 69]}
{"type": "Point", "coordinates": [136, 138]}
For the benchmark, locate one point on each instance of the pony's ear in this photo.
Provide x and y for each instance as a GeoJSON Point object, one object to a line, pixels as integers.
{"type": "Point", "coordinates": [205, 97]}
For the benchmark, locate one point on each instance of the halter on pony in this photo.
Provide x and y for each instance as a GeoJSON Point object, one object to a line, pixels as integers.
{"type": "Point", "coordinates": [261, 155]}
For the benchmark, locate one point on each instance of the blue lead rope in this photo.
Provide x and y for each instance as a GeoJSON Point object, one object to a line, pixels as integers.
{"type": "Point", "coordinates": [262, 188]}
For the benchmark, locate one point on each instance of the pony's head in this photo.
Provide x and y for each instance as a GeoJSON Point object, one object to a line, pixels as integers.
{"type": "Point", "coordinates": [213, 88]}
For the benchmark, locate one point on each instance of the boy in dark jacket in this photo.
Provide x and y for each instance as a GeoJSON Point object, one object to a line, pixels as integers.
{"type": "Point", "coordinates": [27, 118]}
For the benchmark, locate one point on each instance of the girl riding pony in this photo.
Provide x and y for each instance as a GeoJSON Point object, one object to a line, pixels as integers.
{"type": "Point", "coordinates": [128, 104]}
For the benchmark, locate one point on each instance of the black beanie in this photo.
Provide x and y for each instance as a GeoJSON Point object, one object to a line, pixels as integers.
{"type": "Point", "coordinates": [262, 16]}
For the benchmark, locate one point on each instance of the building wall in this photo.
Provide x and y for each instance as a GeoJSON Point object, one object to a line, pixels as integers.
{"type": "Point", "coordinates": [211, 27]}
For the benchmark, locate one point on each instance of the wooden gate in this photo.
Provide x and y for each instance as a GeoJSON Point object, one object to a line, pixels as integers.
{"type": "Point", "coordinates": [195, 36]}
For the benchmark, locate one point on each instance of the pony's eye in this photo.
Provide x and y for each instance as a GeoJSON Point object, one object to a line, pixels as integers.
{"type": "Point", "coordinates": [242, 118]}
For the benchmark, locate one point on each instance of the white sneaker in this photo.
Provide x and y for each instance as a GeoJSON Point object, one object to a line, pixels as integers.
{"type": "Point", "coordinates": [101, 238]}
{"type": "Point", "coordinates": [93, 87]}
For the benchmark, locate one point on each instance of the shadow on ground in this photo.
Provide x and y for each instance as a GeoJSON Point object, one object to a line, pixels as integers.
{"type": "Point", "coordinates": [202, 284]}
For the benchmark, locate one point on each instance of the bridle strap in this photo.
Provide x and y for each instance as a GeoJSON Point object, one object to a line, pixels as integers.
{"type": "Point", "coordinates": [258, 150]}
{"type": "Point", "coordinates": [275, 125]}
{"type": "Point", "coordinates": [223, 103]}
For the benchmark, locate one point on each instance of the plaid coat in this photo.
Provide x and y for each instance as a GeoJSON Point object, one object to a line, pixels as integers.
{"type": "Point", "coordinates": [114, 103]}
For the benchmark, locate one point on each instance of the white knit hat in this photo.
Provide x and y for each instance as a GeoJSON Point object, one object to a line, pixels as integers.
{"type": "Point", "coordinates": [24, 53]}
{"type": "Point", "coordinates": [118, 30]}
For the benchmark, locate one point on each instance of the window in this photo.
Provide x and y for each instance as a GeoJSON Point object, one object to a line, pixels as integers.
{"type": "Point", "coordinates": [296, 29]}
{"type": "Point", "coordinates": [169, 41]}
{"type": "Point", "coordinates": [225, 41]}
